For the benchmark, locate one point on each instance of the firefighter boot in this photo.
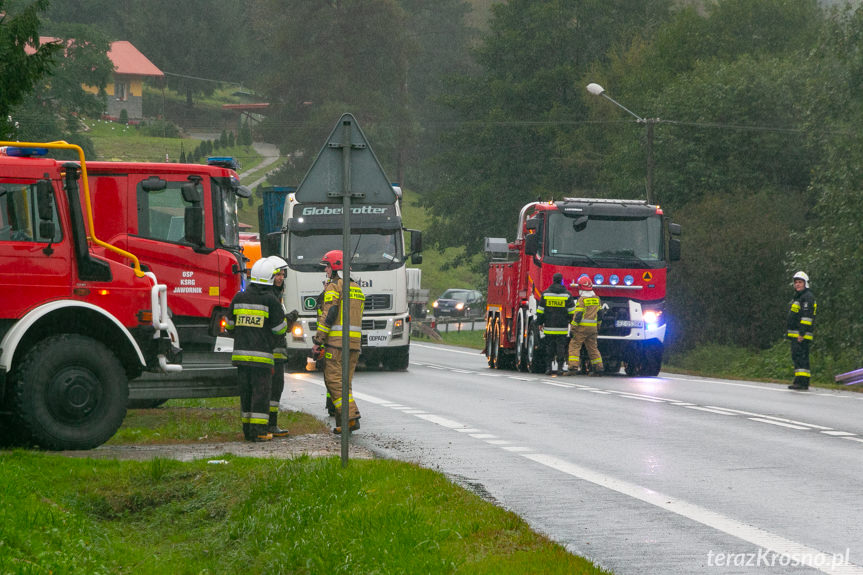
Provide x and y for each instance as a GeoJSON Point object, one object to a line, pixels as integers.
{"type": "Point", "coordinates": [274, 428]}
{"type": "Point", "coordinates": [331, 409]}
{"type": "Point", "coordinates": [247, 434]}
{"type": "Point", "coordinates": [597, 371]}
{"type": "Point", "coordinates": [258, 433]}
{"type": "Point", "coordinates": [353, 425]}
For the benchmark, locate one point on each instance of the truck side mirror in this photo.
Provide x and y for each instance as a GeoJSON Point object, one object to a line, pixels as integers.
{"type": "Point", "coordinates": [194, 224]}
{"type": "Point", "coordinates": [45, 199]}
{"type": "Point", "coordinates": [674, 249]}
{"type": "Point", "coordinates": [154, 184]}
{"type": "Point", "coordinates": [190, 193]}
{"type": "Point", "coordinates": [580, 223]}
{"type": "Point", "coordinates": [531, 244]}
{"type": "Point", "coordinates": [270, 244]}
{"type": "Point", "coordinates": [674, 229]}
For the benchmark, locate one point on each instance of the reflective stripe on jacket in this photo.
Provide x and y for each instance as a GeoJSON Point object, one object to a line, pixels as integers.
{"type": "Point", "coordinates": [801, 315]}
{"type": "Point", "coordinates": [555, 309]}
{"type": "Point", "coordinates": [255, 319]}
{"type": "Point", "coordinates": [330, 326]}
{"type": "Point", "coordinates": [587, 311]}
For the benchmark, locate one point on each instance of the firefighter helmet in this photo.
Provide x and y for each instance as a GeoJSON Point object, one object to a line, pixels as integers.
{"type": "Point", "coordinates": [802, 276]}
{"type": "Point", "coordinates": [333, 258]}
{"type": "Point", "coordinates": [263, 272]}
{"type": "Point", "coordinates": [557, 278]}
{"type": "Point", "coordinates": [584, 283]}
{"type": "Point", "coordinates": [278, 262]}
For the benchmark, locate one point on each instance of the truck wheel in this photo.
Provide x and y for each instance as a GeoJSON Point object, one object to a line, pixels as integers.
{"type": "Point", "coordinates": [70, 393]}
{"type": "Point", "coordinates": [535, 360]}
{"type": "Point", "coordinates": [651, 360]}
{"type": "Point", "coordinates": [520, 350]}
{"type": "Point", "coordinates": [397, 359]}
{"type": "Point", "coordinates": [494, 345]}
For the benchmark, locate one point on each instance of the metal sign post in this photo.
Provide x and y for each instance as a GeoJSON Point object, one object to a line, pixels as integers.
{"type": "Point", "coordinates": [346, 169]}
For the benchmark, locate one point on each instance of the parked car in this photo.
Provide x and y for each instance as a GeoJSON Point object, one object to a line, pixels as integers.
{"type": "Point", "coordinates": [459, 303]}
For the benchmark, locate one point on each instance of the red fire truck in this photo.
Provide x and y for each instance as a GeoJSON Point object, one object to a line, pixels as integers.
{"type": "Point", "coordinates": [623, 246]}
{"type": "Point", "coordinates": [181, 221]}
{"type": "Point", "coordinates": [79, 316]}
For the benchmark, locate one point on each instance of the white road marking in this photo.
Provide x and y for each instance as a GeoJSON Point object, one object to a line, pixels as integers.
{"type": "Point", "coordinates": [779, 423]}
{"type": "Point", "coordinates": [771, 417]}
{"type": "Point", "coordinates": [762, 538]}
{"type": "Point", "coordinates": [838, 433]}
{"type": "Point", "coordinates": [699, 408]}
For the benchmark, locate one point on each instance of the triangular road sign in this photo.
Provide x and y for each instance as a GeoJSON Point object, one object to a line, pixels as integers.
{"type": "Point", "coordinates": [325, 180]}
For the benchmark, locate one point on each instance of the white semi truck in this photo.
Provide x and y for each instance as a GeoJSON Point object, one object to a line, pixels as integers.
{"type": "Point", "coordinates": [378, 263]}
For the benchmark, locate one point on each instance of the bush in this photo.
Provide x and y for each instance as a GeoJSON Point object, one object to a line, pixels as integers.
{"type": "Point", "coordinates": [159, 129]}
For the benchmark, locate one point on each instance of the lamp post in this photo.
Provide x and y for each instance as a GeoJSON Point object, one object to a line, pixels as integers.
{"type": "Point", "coordinates": [598, 90]}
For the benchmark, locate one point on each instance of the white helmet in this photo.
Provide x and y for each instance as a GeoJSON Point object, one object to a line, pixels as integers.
{"type": "Point", "coordinates": [278, 262]}
{"type": "Point", "coordinates": [263, 272]}
{"type": "Point", "coordinates": [802, 276]}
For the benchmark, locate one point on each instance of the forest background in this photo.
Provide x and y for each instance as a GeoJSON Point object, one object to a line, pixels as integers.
{"type": "Point", "coordinates": [480, 107]}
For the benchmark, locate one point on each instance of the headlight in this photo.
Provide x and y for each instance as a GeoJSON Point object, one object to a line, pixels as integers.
{"type": "Point", "coordinates": [598, 279]}
{"type": "Point", "coordinates": [434, 305]}
{"type": "Point", "coordinates": [652, 317]}
{"type": "Point", "coordinates": [459, 306]}
{"type": "Point", "coordinates": [398, 327]}
{"type": "Point", "coordinates": [614, 279]}
{"type": "Point", "coordinates": [628, 280]}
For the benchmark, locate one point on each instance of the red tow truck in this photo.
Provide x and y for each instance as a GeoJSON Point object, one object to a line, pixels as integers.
{"type": "Point", "coordinates": [623, 246]}
{"type": "Point", "coordinates": [79, 316]}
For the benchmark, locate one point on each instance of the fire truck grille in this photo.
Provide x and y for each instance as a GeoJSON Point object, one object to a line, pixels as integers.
{"type": "Point", "coordinates": [616, 311]}
{"type": "Point", "coordinates": [378, 301]}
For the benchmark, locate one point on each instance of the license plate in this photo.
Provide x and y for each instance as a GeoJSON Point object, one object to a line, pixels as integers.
{"type": "Point", "coordinates": [377, 338]}
{"type": "Point", "coordinates": [629, 323]}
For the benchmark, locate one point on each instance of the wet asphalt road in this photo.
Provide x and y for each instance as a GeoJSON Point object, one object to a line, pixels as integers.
{"type": "Point", "coordinates": [673, 474]}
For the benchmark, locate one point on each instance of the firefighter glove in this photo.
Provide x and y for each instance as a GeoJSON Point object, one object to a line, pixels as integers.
{"type": "Point", "coordinates": [292, 316]}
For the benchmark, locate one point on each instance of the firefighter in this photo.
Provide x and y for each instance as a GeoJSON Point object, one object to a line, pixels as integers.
{"type": "Point", "coordinates": [280, 351]}
{"type": "Point", "coordinates": [553, 314]}
{"type": "Point", "coordinates": [801, 323]}
{"type": "Point", "coordinates": [256, 318]}
{"type": "Point", "coordinates": [585, 326]}
{"type": "Point", "coordinates": [329, 335]}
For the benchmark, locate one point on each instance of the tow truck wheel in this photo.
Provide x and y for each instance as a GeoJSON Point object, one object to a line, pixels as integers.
{"type": "Point", "coordinates": [491, 348]}
{"type": "Point", "coordinates": [535, 363]}
{"type": "Point", "coordinates": [520, 351]}
{"type": "Point", "coordinates": [495, 358]}
{"type": "Point", "coordinates": [70, 393]}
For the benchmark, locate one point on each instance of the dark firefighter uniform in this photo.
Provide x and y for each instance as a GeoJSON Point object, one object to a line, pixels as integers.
{"type": "Point", "coordinates": [801, 322]}
{"type": "Point", "coordinates": [255, 318]}
{"type": "Point", "coordinates": [553, 313]}
{"type": "Point", "coordinates": [585, 327]}
{"type": "Point", "coordinates": [329, 335]}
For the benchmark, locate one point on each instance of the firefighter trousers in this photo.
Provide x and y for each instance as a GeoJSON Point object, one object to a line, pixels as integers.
{"type": "Point", "coordinates": [588, 337]}
{"type": "Point", "coordinates": [800, 358]}
{"type": "Point", "coordinates": [555, 348]}
{"type": "Point", "coordinates": [277, 386]}
{"type": "Point", "coordinates": [254, 384]}
{"type": "Point", "coordinates": [333, 381]}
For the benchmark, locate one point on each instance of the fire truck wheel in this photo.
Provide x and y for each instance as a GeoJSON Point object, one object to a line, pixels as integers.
{"type": "Point", "coordinates": [70, 393]}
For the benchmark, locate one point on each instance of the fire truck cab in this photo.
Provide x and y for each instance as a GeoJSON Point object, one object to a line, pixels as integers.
{"type": "Point", "coordinates": [79, 316]}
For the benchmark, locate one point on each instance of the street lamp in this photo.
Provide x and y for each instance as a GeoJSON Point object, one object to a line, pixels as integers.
{"type": "Point", "coordinates": [598, 90]}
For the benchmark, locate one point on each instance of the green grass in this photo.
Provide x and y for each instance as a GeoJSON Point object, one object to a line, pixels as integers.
{"type": "Point", "coordinates": [199, 420]}
{"type": "Point", "coordinates": [256, 516]}
{"type": "Point", "coordinates": [117, 142]}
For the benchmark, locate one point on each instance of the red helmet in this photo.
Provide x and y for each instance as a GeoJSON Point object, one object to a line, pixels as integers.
{"type": "Point", "coordinates": [333, 258]}
{"type": "Point", "coordinates": [584, 283]}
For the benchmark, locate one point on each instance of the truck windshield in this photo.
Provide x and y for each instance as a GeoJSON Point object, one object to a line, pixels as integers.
{"type": "Point", "coordinates": [629, 241]}
{"type": "Point", "coordinates": [376, 250]}
{"type": "Point", "coordinates": [225, 216]}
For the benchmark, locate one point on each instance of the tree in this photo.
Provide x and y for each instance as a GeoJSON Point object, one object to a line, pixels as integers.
{"type": "Point", "coordinates": [520, 117]}
{"type": "Point", "coordinates": [20, 71]}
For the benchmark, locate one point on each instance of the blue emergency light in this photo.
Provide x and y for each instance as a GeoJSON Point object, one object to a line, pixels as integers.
{"type": "Point", "coordinates": [224, 162]}
{"type": "Point", "coordinates": [16, 152]}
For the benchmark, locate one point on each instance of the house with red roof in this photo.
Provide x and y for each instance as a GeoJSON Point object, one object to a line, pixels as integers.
{"type": "Point", "coordinates": [126, 91]}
